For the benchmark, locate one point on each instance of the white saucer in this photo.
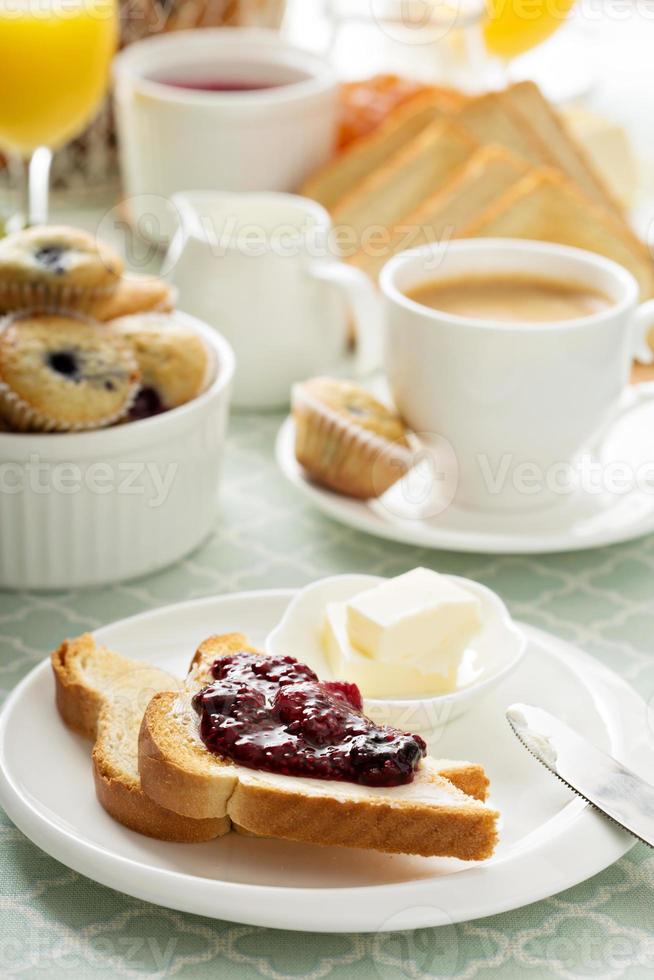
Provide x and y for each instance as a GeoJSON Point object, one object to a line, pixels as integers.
{"type": "Point", "coordinates": [550, 840]}
{"type": "Point", "coordinates": [581, 521]}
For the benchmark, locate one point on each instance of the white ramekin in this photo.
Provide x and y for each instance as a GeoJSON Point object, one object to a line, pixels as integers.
{"type": "Point", "coordinates": [175, 139]}
{"type": "Point", "coordinates": [90, 508]}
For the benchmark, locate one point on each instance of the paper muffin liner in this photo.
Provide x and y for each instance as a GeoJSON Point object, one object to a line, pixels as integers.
{"type": "Point", "coordinates": [24, 417]}
{"type": "Point", "coordinates": [343, 455]}
{"type": "Point", "coordinates": [39, 297]}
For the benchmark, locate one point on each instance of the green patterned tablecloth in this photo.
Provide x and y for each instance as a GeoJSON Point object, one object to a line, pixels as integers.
{"type": "Point", "coordinates": [54, 921]}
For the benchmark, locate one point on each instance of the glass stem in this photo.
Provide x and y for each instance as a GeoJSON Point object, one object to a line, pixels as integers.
{"type": "Point", "coordinates": [487, 71]}
{"type": "Point", "coordinates": [476, 56]}
{"type": "Point", "coordinates": [39, 185]}
{"type": "Point", "coordinates": [35, 184]}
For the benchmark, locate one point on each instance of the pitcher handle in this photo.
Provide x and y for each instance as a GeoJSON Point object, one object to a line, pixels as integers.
{"type": "Point", "coordinates": [366, 305]}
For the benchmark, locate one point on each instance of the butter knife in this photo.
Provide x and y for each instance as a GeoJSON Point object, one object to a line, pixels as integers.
{"type": "Point", "coordinates": [595, 776]}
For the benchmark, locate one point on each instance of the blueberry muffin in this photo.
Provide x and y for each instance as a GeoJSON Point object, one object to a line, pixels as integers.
{"type": "Point", "coordinates": [174, 361]}
{"type": "Point", "coordinates": [61, 373]}
{"type": "Point", "coordinates": [346, 439]}
{"type": "Point", "coordinates": [55, 267]}
{"type": "Point", "coordinates": [134, 294]}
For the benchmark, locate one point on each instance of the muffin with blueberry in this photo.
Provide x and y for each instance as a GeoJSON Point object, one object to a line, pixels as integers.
{"type": "Point", "coordinates": [347, 440]}
{"type": "Point", "coordinates": [175, 363]}
{"type": "Point", "coordinates": [64, 373]}
{"type": "Point", "coordinates": [55, 267]}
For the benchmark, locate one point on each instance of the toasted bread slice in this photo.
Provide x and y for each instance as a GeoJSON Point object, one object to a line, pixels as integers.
{"type": "Point", "coordinates": [429, 816]}
{"type": "Point", "coordinates": [102, 695]}
{"type": "Point", "coordinates": [563, 150]}
{"type": "Point", "coordinates": [488, 173]}
{"type": "Point", "coordinates": [410, 177]}
{"type": "Point", "coordinates": [469, 777]}
{"type": "Point", "coordinates": [365, 104]}
{"type": "Point", "coordinates": [491, 119]}
{"type": "Point", "coordinates": [337, 178]}
{"type": "Point", "coordinates": [548, 207]}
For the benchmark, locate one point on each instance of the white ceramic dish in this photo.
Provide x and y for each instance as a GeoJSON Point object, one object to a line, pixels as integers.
{"type": "Point", "coordinates": [88, 508]}
{"type": "Point", "coordinates": [490, 657]}
{"type": "Point", "coordinates": [549, 839]}
{"type": "Point", "coordinates": [274, 290]}
{"type": "Point", "coordinates": [581, 521]}
{"type": "Point", "coordinates": [177, 139]}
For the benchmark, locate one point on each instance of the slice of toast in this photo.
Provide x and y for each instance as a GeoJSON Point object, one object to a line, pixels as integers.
{"type": "Point", "coordinates": [405, 181]}
{"type": "Point", "coordinates": [429, 816]}
{"type": "Point", "coordinates": [102, 695]}
{"type": "Point", "coordinates": [562, 149]}
{"type": "Point", "coordinates": [366, 103]}
{"type": "Point", "coordinates": [490, 118]}
{"type": "Point", "coordinates": [337, 178]}
{"type": "Point", "coordinates": [488, 173]}
{"type": "Point", "coordinates": [548, 207]}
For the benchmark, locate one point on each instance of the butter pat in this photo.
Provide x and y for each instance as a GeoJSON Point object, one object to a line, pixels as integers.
{"type": "Point", "coordinates": [375, 679]}
{"type": "Point", "coordinates": [420, 619]}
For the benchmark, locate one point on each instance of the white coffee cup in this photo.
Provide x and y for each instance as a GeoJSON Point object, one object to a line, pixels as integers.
{"type": "Point", "coordinates": [262, 269]}
{"type": "Point", "coordinates": [517, 402]}
{"type": "Point", "coordinates": [172, 138]}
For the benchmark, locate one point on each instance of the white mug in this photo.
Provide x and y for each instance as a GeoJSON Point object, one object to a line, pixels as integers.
{"type": "Point", "coordinates": [172, 138]}
{"type": "Point", "coordinates": [516, 402]}
{"type": "Point", "coordinates": [262, 269]}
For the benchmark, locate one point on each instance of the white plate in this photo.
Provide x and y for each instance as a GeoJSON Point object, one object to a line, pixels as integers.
{"type": "Point", "coordinates": [550, 839]}
{"type": "Point", "coordinates": [582, 521]}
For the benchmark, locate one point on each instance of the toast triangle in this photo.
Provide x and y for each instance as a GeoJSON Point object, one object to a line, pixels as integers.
{"type": "Point", "coordinates": [366, 103]}
{"type": "Point", "coordinates": [563, 150]}
{"type": "Point", "coordinates": [487, 174]}
{"type": "Point", "coordinates": [102, 695]}
{"type": "Point", "coordinates": [337, 177]}
{"type": "Point", "coordinates": [490, 118]}
{"type": "Point", "coordinates": [546, 206]}
{"type": "Point", "coordinates": [429, 816]}
{"type": "Point", "coordinates": [403, 183]}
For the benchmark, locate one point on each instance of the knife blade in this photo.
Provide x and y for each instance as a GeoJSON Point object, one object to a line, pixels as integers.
{"type": "Point", "coordinates": [595, 776]}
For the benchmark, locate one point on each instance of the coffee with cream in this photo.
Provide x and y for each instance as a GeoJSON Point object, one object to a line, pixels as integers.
{"type": "Point", "coordinates": [511, 298]}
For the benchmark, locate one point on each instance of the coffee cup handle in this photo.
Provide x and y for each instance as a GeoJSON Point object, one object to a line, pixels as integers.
{"type": "Point", "coordinates": [643, 325]}
{"type": "Point", "coordinates": [365, 304]}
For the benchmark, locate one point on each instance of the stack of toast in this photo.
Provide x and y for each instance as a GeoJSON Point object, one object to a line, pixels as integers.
{"type": "Point", "coordinates": [502, 164]}
{"type": "Point", "coordinates": [154, 774]}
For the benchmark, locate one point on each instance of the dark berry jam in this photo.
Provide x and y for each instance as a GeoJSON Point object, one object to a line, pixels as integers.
{"type": "Point", "coordinates": [274, 713]}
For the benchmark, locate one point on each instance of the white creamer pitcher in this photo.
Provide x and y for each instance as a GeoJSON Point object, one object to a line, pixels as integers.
{"type": "Point", "coordinates": [263, 270]}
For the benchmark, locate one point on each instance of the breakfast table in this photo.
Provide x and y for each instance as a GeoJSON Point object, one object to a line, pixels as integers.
{"type": "Point", "coordinates": [268, 536]}
{"type": "Point", "coordinates": [54, 920]}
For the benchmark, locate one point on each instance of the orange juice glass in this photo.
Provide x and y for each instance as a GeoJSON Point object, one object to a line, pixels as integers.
{"type": "Point", "coordinates": [54, 70]}
{"type": "Point", "coordinates": [512, 27]}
